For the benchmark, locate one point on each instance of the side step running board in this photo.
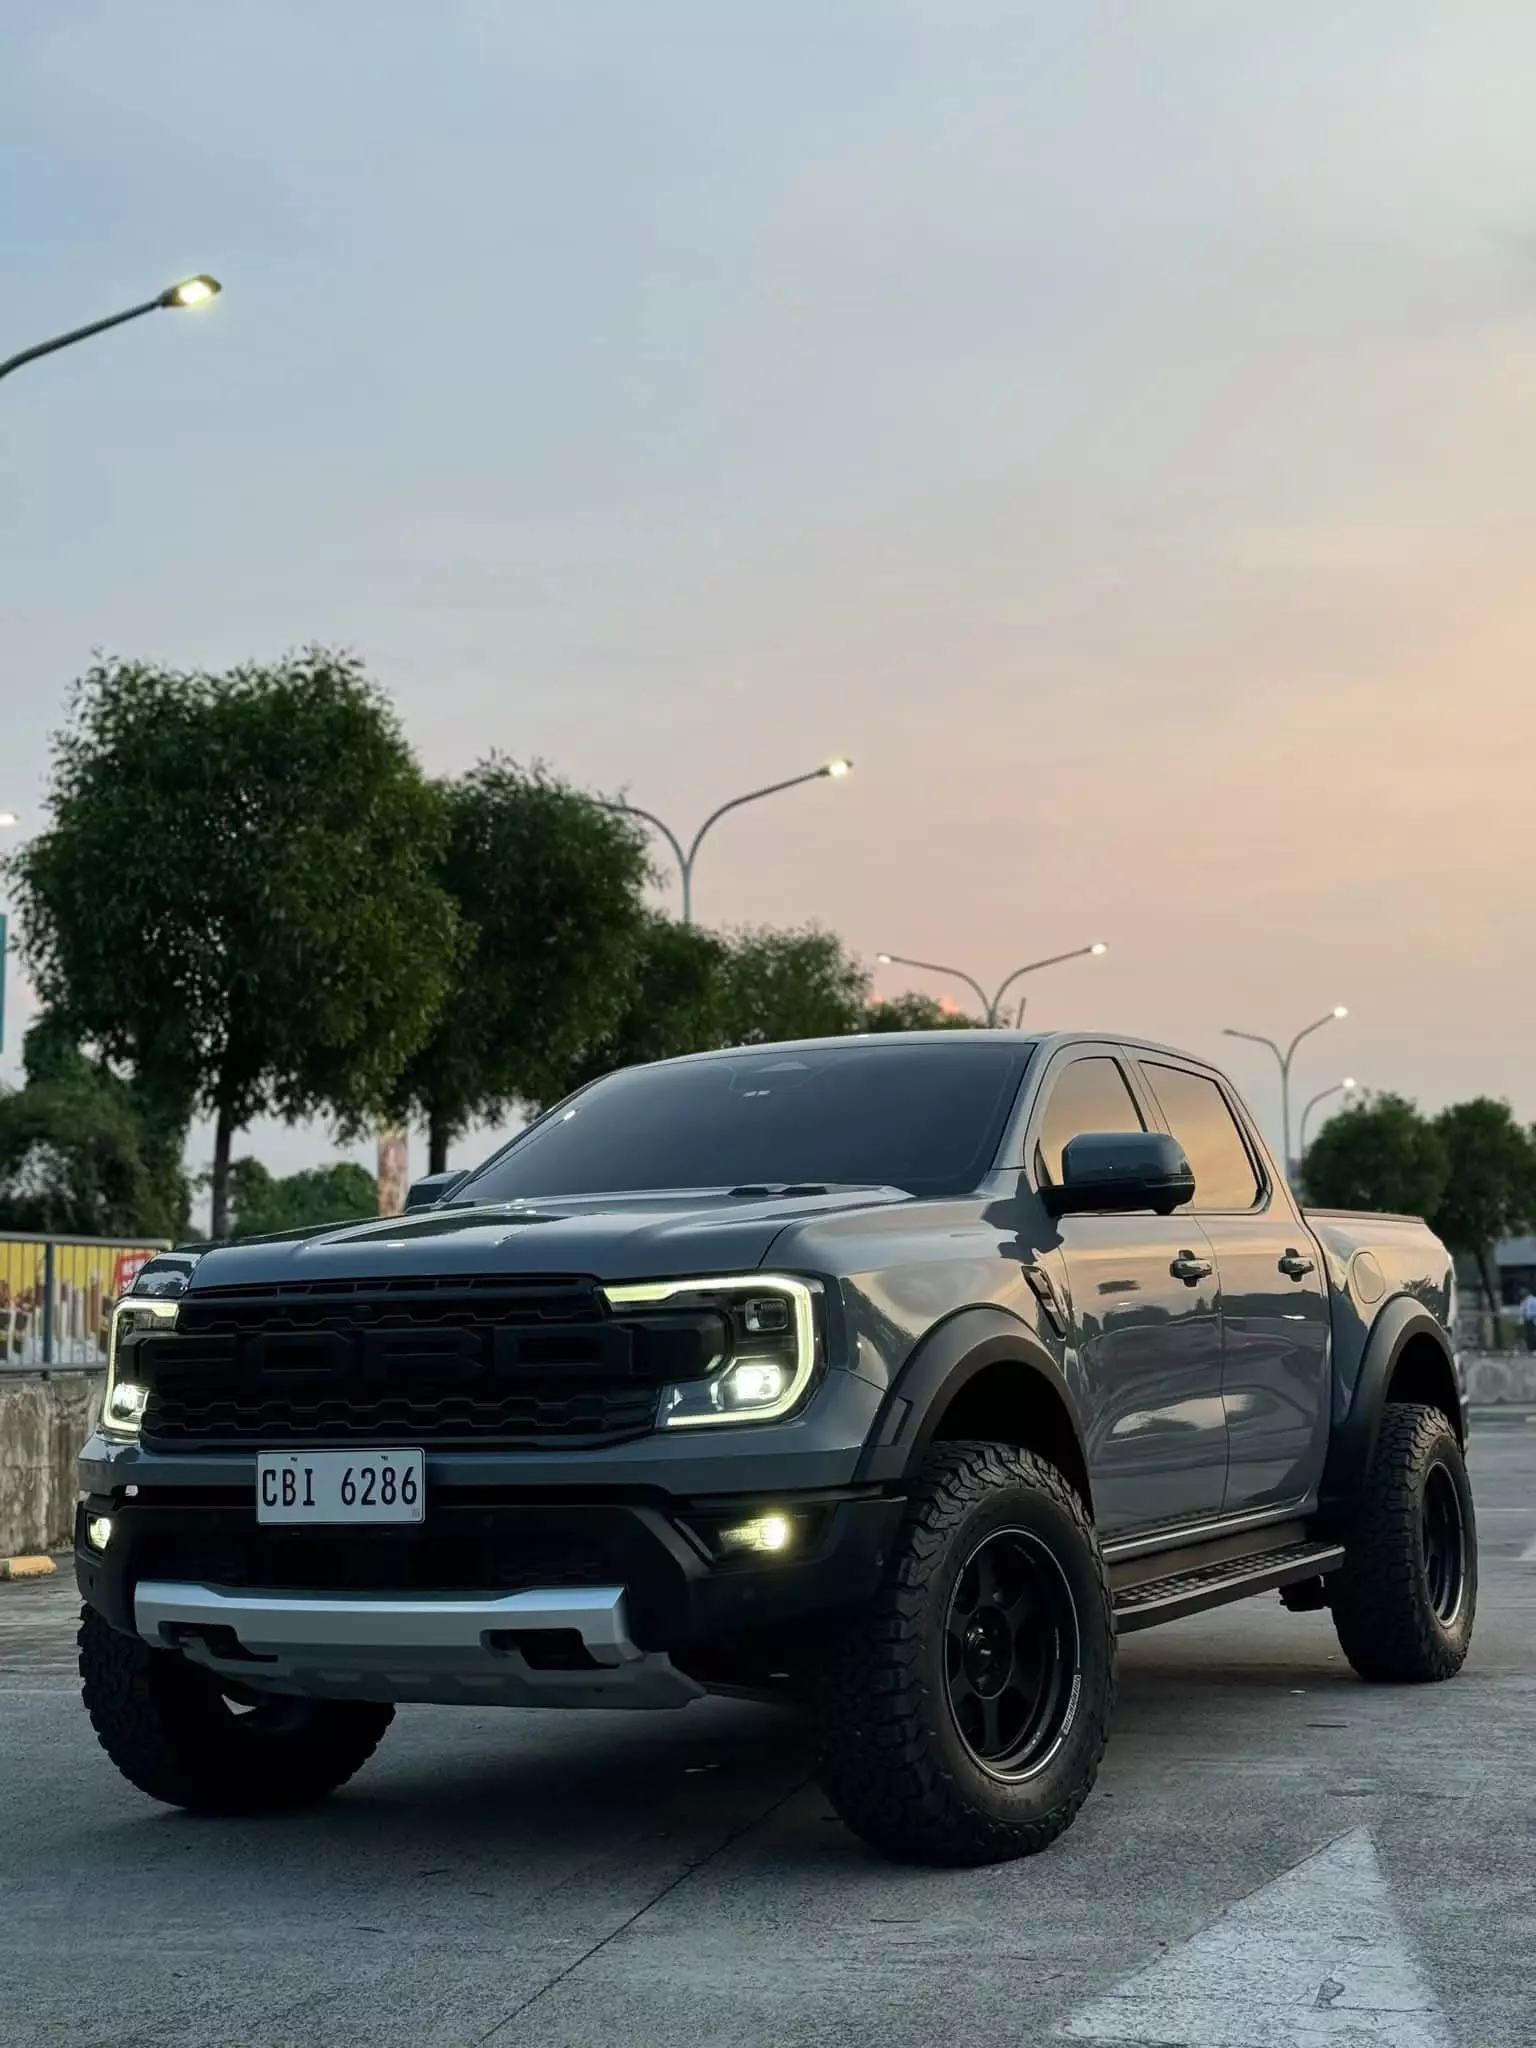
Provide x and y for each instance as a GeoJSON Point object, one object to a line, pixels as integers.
{"type": "Point", "coordinates": [1213, 1585]}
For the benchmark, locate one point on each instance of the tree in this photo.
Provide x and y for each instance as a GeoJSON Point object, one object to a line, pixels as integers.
{"type": "Point", "coordinates": [673, 1003]}
{"type": "Point", "coordinates": [234, 899]}
{"type": "Point", "coordinates": [790, 984]}
{"type": "Point", "coordinates": [1490, 1185]}
{"type": "Point", "coordinates": [1380, 1154]}
{"type": "Point", "coordinates": [547, 887]}
{"type": "Point", "coordinates": [262, 1203]}
{"type": "Point", "coordinates": [915, 1012]}
{"type": "Point", "coordinates": [83, 1153]}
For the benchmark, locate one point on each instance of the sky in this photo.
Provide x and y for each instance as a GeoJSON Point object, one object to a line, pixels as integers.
{"type": "Point", "coordinates": [1113, 426]}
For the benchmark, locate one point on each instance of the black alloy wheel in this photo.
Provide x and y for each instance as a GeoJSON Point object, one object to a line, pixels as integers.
{"type": "Point", "coordinates": [1445, 1544]}
{"type": "Point", "coordinates": [1012, 1654]}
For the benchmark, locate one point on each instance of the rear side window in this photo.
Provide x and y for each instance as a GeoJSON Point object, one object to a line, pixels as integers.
{"type": "Point", "coordinates": [1089, 1095]}
{"type": "Point", "coordinates": [1199, 1118]}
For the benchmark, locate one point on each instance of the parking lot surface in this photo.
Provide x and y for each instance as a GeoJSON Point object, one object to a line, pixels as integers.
{"type": "Point", "coordinates": [1276, 1853]}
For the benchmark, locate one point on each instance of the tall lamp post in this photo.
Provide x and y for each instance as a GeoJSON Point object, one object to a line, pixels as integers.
{"type": "Point", "coordinates": [832, 770]}
{"type": "Point", "coordinates": [991, 1009]}
{"type": "Point", "coordinates": [6, 818]}
{"type": "Point", "coordinates": [1344, 1087]}
{"type": "Point", "coordinates": [1285, 1058]}
{"type": "Point", "coordinates": [192, 291]}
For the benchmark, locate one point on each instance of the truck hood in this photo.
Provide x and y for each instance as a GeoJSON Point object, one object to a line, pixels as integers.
{"type": "Point", "coordinates": [652, 1236]}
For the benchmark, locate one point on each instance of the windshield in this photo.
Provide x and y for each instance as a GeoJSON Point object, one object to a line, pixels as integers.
{"type": "Point", "coordinates": [925, 1118]}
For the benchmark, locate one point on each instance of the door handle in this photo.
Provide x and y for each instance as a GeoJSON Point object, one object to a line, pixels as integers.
{"type": "Point", "coordinates": [1296, 1264]}
{"type": "Point", "coordinates": [1189, 1269]}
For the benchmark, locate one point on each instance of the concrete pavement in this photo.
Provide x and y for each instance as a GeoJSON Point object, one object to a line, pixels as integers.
{"type": "Point", "coordinates": [1263, 1820]}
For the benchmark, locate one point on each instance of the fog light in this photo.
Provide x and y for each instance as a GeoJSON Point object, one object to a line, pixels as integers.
{"type": "Point", "coordinates": [98, 1531]}
{"type": "Point", "coordinates": [768, 1532]}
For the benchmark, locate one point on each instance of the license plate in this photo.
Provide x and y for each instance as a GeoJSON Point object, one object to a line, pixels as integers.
{"type": "Point", "coordinates": [340, 1486]}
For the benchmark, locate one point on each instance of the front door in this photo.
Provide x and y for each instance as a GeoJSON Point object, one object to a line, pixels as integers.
{"type": "Point", "coordinates": [1144, 1325]}
{"type": "Point", "coordinates": [1274, 1305]}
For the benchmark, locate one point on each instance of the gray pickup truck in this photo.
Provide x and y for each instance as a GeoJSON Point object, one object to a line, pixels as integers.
{"type": "Point", "coordinates": [901, 1375]}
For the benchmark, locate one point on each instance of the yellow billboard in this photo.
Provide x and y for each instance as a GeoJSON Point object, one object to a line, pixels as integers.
{"type": "Point", "coordinates": [55, 1294]}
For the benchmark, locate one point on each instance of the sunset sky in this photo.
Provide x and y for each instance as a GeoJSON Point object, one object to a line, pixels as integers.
{"type": "Point", "coordinates": [1112, 425]}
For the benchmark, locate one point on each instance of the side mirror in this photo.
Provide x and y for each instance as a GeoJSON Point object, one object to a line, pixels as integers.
{"type": "Point", "coordinates": [431, 1188]}
{"type": "Point", "coordinates": [1112, 1172]}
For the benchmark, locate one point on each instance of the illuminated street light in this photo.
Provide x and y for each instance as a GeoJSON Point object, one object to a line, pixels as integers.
{"type": "Point", "coordinates": [1345, 1087]}
{"type": "Point", "coordinates": [833, 770]}
{"type": "Point", "coordinates": [1285, 1058]}
{"type": "Point", "coordinates": [191, 291]}
{"type": "Point", "coordinates": [991, 1010]}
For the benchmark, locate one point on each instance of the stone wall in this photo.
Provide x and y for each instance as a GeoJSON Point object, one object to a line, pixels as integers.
{"type": "Point", "coordinates": [43, 1423]}
{"type": "Point", "coordinates": [1495, 1378]}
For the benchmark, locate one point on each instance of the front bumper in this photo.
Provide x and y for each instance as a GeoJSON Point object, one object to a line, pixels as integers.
{"type": "Point", "coordinates": [422, 1612]}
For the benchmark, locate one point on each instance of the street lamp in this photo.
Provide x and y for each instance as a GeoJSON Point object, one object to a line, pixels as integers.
{"type": "Point", "coordinates": [8, 818]}
{"type": "Point", "coordinates": [192, 291]}
{"type": "Point", "coordinates": [1285, 1059]}
{"type": "Point", "coordinates": [991, 1009]}
{"type": "Point", "coordinates": [833, 770]}
{"type": "Point", "coordinates": [1344, 1087]}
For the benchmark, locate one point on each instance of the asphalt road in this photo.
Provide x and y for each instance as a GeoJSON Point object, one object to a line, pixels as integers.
{"type": "Point", "coordinates": [1276, 1853]}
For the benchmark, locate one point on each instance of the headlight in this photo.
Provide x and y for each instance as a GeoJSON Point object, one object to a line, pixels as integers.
{"type": "Point", "coordinates": [773, 1351]}
{"type": "Point", "coordinates": [125, 1399]}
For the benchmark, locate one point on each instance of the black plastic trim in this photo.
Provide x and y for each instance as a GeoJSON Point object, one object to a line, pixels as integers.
{"type": "Point", "coordinates": [1352, 1439]}
{"type": "Point", "coordinates": [946, 1361]}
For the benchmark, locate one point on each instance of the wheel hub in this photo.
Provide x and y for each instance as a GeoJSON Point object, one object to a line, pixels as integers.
{"type": "Point", "coordinates": [1011, 1654]}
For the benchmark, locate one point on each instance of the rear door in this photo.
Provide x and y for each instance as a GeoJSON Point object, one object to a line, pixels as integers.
{"type": "Point", "coordinates": [1147, 1341]}
{"type": "Point", "coordinates": [1274, 1305]}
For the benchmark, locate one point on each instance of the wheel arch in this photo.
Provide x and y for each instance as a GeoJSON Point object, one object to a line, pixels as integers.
{"type": "Point", "coordinates": [978, 1375]}
{"type": "Point", "coordinates": [1407, 1357]}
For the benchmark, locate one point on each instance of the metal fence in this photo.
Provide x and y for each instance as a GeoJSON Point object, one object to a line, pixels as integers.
{"type": "Point", "coordinates": [56, 1293]}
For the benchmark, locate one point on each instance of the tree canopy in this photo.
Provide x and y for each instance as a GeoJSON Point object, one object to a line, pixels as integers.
{"type": "Point", "coordinates": [84, 1153]}
{"type": "Point", "coordinates": [546, 885]}
{"type": "Point", "coordinates": [1380, 1154]}
{"type": "Point", "coordinates": [1490, 1182]}
{"type": "Point", "coordinates": [261, 1202]}
{"type": "Point", "coordinates": [235, 898]}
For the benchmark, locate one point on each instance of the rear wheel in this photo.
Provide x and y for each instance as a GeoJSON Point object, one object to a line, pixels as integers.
{"type": "Point", "coordinates": [963, 1718]}
{"type": "Point", "coordinates": [176, 1731]}
{"type": "Point", "coordinates": [1406, 1596]}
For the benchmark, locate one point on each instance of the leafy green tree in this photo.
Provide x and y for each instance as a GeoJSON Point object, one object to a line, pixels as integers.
{"type": "Point", "coordinates": [916, 1012]}
{"type": "Point", "coordinates": [262, 1203]}
{"type": "Point", "coordinates": [547, 886]}
{"type": "Point", "coordinates": [673, 1003]}
{"type": "Point", "coordinates": [1380, 1154]}
{"type": "Point", "coordinates": [790, 984]}
{"type": "Point", "coordinates": [234, 899]}
{"type": "Point", "coordinates": [690, 990]}
{"type": "Point", "coordinates": [83, 1153]}
{"type": "Point", "coordinates": [1490, 1185]}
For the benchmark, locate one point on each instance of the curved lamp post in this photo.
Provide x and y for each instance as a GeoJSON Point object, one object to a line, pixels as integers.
{"type": "Point", "coordinates": [832, 770]}
{"type": "Point", "coordinates": [192, 291]}
{"type": "Point", "coordinates": [1285, 1058]}
{"type": "Point", "coordinates": [1344, 1087]}
{"type": "Point", "coordinates": [991, 1009]}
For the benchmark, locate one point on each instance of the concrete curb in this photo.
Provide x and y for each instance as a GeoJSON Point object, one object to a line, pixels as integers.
{"type": "Point", "coordinates": [27, 1567]}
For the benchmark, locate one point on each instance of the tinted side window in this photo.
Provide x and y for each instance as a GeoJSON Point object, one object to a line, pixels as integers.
{"type": "Point", "coordinates": [1199, 1118]}
{"type": "Point", "coordinates": [1090, 1095]}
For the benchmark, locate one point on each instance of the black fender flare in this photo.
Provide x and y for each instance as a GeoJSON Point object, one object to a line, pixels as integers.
{"type": "Point", "coordinates": [952, 1354]}
{"type": "Point", "coordinates": [1353, 1439]}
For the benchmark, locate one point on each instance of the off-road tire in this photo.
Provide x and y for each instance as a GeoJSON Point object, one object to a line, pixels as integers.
{"type": "Point", "coordinates": [171, 1730]}
{"type": "Point", "coordinates": [892, 1757]}
{"type": "Point", "coordinates": [1390, 1625]}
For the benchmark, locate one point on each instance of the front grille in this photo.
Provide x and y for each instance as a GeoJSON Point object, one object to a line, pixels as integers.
{"type": "Point", "coordinates": [445, 1361]}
